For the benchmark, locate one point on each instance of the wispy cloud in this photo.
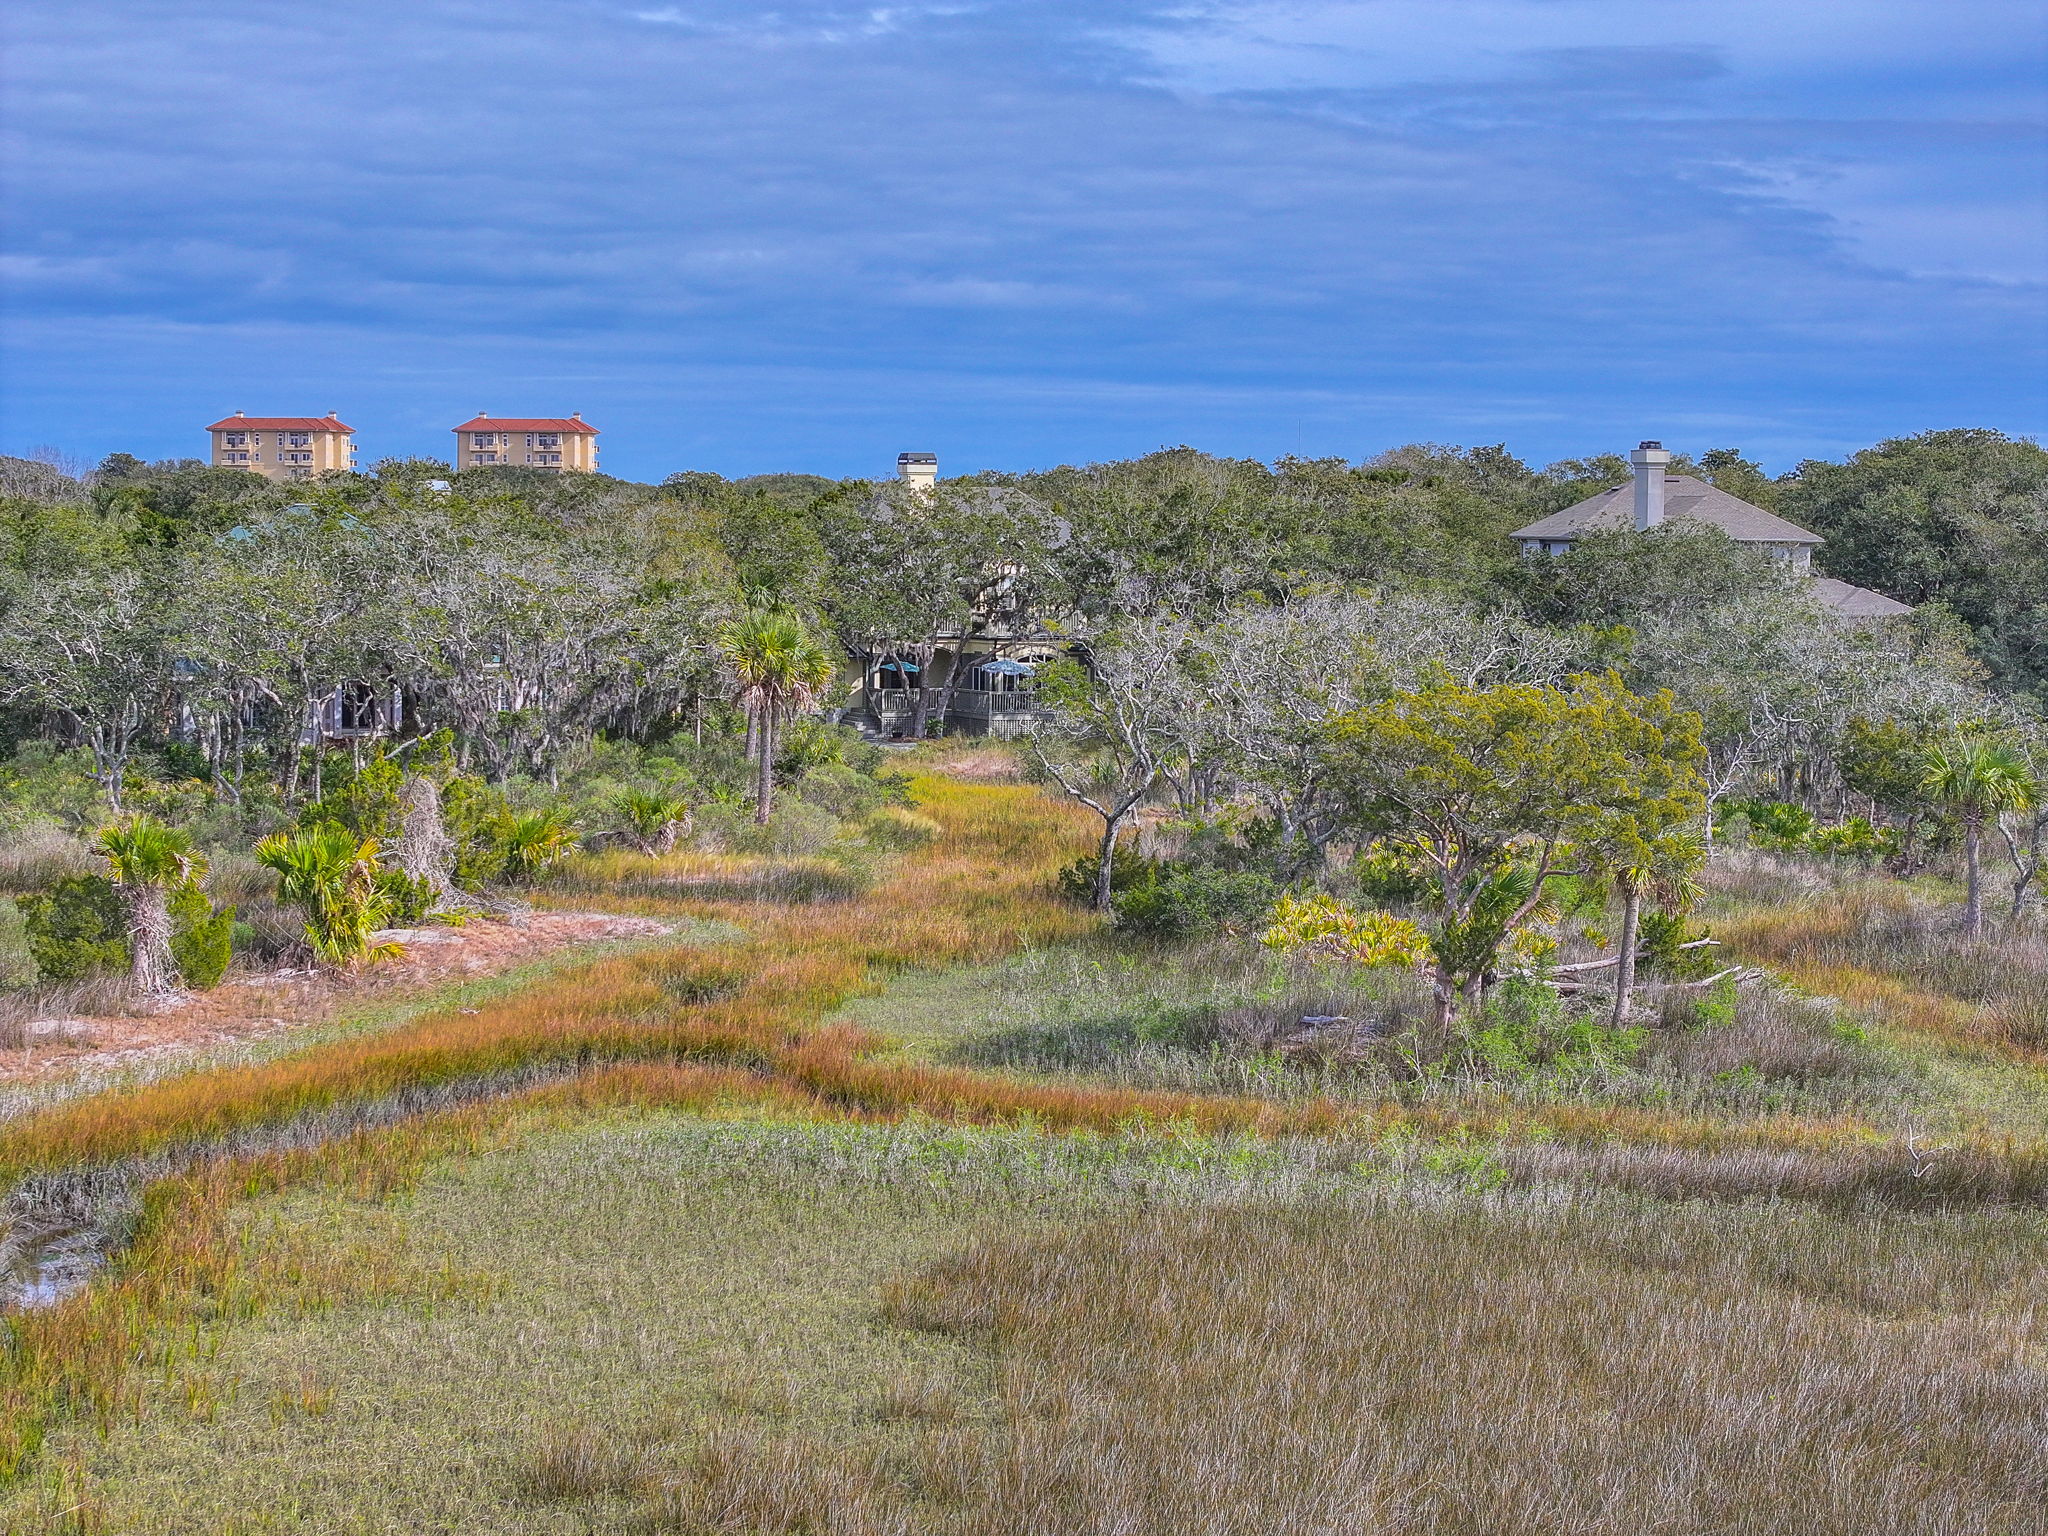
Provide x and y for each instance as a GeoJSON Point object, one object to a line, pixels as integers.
{"type": "Point", "coordinates": [1559, 221]}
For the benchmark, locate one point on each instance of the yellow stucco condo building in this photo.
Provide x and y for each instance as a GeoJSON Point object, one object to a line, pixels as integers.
{"type": "Point", "coordinates": [284, 447]}
{"type": "Point", "coordinates": [555, 443]}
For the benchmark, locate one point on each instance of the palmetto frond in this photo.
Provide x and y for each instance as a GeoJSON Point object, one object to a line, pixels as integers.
{"type": "Point", "coordinates": [1978, 777]}
{"type": "Point", "coordinates": [145, 851]}
{"type": "Point", "coordinates": [777, 664]}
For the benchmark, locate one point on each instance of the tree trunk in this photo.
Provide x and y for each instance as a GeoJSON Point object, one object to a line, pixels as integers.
{"type": "Point", "coordinates": [1105, 862]}
{"type": "Point", "coordinates": [151, 968]}
{"type": "Point", "coordinates": [422, 847]}
{"type": "Point", "coordinates": [1973, 878]}
{"type": "Point", "coordinates": [1443, 992]}
{"type": "Point", "coordinates": [1625, 964]}
{"type": "Point", "coordinates": [764, 783]}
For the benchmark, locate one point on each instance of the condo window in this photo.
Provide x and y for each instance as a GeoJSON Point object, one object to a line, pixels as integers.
{"type": "Point", "coordinates": [543, 458]}
{"type": "Point", "coordinates": [238, 458]}
{"type": "Point", "coordinates": [299, 440]}
{"type": "Point", "coordinates": [235, 439]}
{"type": "Point", "coordinates": [549, 440]}
{"type": "Point", "coordinates": [483, 440]}
{"type": "Point", "coordinates": [485, 458]}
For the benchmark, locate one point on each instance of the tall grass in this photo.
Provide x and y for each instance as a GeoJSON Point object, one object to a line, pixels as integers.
{"type": "Point", "coordinates": [1879, 945]}
{"type": "Point", "coordinates": [1462, 1371]}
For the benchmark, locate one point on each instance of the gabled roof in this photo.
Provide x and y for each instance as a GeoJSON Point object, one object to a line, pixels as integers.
{"type": "Point", "coordinates": [526, 424]}
{"type": "Point", "coordinates": [1853, 602]}
{"type": "Point", "coordinates": [1684, 497]}
{"type": "Point", "coordinates": [280, 424]}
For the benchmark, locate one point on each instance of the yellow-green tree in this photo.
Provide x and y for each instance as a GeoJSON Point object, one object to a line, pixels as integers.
{"type": "Point", "coordinates": [1503, 789]}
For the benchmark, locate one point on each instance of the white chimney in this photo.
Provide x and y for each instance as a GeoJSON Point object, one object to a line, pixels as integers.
{"type": "Point", "coordinates": [920, 471]}
{"type": "Point", "coordinates": [1650, 461]}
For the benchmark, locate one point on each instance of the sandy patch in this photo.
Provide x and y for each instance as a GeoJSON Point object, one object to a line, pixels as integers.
{"type": "Point", "coordinates": [250, 1007]}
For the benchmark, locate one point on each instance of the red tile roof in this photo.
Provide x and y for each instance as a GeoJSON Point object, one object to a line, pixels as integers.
{"type": "Point", "coordinates": [526, 424]}
{"type": "Point", "coordinates": [280, 424]}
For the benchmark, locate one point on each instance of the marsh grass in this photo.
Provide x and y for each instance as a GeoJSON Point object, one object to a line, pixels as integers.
{"type": "Point", "coordinates": [743, 1033]}
{"type": "Point", "coordinates": [692, 876]}
{"type": "Point", "coordinates": [1227, 1019]}
{"type": "Point", "coordinates": [1885, 947]}
{"type": "Point", "coordinates": [1453, 1370]}
{"type": "Point", "coordinates": [580, 1462]}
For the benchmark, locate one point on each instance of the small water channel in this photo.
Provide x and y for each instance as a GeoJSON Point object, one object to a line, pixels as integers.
{"type": "Point", "coordinates": [59, 1229]}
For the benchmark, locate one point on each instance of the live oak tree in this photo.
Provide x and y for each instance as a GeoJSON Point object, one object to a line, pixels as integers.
{"type": "Point", "coordinates": [1108, 732]}
{"type": "Point", "coordinates": [1502, 789]}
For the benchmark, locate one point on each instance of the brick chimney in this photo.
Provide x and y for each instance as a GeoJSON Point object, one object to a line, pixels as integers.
{"type": "Point", "coordinates": [1649, 461]}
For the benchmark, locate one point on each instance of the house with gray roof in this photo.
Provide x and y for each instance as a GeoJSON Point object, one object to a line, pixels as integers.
{"type": "Point", "coordinates": [1654, 497]}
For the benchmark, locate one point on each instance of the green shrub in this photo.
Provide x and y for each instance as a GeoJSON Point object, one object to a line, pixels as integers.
{"type": "Point", "coordinates": [476, 815]}
{"type": "Point", "coordinates": [363, 799]}
{"type": "Point", "coordinates": [18, 967]}
{"type": "Point", "coordinates": [407, 901]}
{"type": "Point", "coordinates": [1527, 1030]}
{"type": "Point", "coordinates": [1774, 825]}
{"type": "Point", "coordinates": [1658, 937]}
{"type": "Point", "coordinates": [1182, 901]}
{"type": "Point", "coordinates": [1855, 838]}
{"type": "Point", "coordinates": [1077, 881]}
{"type": "Point", "coordinates": [202, 937]}
{"type": "Point", "coordinates": [76, 928]}
{"type": "Point", "coordinates": [1391, 877]}
{"type": "Point", "coordinates": [841, 790]}
{"type": "Point", "coordinates": [795, 830]}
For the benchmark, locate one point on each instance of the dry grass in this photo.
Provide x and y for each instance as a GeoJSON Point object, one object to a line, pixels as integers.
{"type": "Point", "coordinates": [1879, 946]}
{"type": "Point", "coordinates": [1456, 1372]}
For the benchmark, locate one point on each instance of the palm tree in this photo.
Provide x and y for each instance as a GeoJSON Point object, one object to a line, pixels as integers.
{"type": "Point", "coordinates": [1663, 867]}
{"type": "Point", "coordinates": [1978, 780]}
{"type": "Point", "coordinates": [778, 668]}
{"type": "Point", "coordinates": [148, 861]}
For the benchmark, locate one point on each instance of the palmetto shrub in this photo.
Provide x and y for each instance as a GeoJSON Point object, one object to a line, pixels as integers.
{"type": "Point", "coordinates": [1322, 925]}
{"type": "Point", "coordinates": [333, 878]}
{"type": "Point", "coordinates": [535, 842]}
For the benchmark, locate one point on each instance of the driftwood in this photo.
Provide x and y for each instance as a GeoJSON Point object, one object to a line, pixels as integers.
{"type": "Point", "coordinates": [1641, 954]}
{"type": "Point", "coordinates": [1741, 974]}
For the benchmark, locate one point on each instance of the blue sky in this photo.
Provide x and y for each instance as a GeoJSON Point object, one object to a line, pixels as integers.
{"type": "Point", "coordinates": [1018, 232]}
